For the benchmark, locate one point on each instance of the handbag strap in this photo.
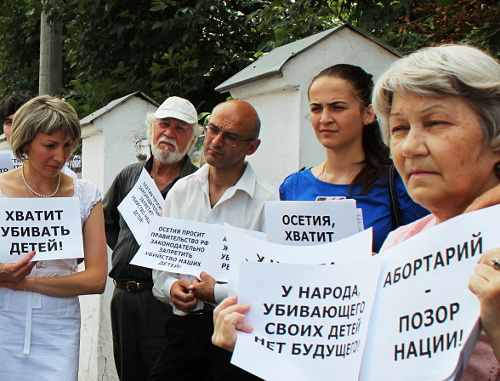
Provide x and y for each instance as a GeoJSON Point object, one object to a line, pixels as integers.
{"type": "Point", "coordinates": [395, 211]}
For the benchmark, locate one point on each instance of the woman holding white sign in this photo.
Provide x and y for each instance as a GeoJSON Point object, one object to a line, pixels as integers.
{"type": "Point", "coordinates": [357, 164]}
{"type": "Point", "coordinates": [39, 311]}
{"type": "Point", "coordinates": [439, 110]}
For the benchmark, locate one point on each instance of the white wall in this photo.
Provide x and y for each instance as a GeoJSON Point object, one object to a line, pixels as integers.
{"type": "Point", "coordinates": [93, 159]}
{"type": "Point", "coordinates": [277, 155]}
{"type": "Point", "coordinates": [93, 350]}
{"type": "Point", "coordinates": [108, 146]}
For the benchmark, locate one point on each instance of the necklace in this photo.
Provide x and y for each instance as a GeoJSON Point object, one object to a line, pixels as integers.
{"type": "Point", "coordinates": [322, 171]}
{"type": "Point", "coordinates": [347, 179]}
{"type": "Point", "coordinates": [34, 191]}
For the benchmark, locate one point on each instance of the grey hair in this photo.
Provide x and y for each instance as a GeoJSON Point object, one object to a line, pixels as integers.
{"type": "Point", "coordinates": [150, 124]}
{"type": "Point", "coordinates": [442, 71]}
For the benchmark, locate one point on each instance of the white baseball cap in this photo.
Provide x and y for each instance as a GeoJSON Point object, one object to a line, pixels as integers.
{"type": "Point", "coordinates": [178, 108]}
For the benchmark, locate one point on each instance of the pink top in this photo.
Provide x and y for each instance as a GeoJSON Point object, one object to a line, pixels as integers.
{"type": "Point", "coordinates": [483, 365]}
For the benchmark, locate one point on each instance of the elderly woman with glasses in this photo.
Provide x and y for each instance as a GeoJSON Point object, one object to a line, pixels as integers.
{"type": "Point", "coordinates": [439, 110]}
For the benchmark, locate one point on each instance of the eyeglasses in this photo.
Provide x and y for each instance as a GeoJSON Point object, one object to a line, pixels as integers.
{"type": "Point", "coordinates": [229, 139]}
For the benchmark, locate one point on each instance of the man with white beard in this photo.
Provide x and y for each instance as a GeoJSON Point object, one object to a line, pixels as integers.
{"type": "Point", "coordinates": [137, 317]}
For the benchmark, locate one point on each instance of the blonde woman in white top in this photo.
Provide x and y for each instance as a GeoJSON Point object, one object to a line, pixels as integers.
{"type": "Point", "coordinates": [39, 308]}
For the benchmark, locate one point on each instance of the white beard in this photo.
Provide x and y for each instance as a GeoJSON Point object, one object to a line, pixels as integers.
{"type": "Point", "coordinates": [165, 156]}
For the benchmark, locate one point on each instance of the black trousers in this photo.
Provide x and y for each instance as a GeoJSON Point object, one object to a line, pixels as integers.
{"type": "Point", "coordinates": [190, 355]}
{"type": "Point", "coordinates": [137, 322]}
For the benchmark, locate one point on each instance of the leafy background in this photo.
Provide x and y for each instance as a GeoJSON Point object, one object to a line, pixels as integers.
{"type": "Point", "coordinates": [188, 47]}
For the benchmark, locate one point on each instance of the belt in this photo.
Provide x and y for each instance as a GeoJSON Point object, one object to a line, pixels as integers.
{"type": "Point", "coordinates": [207, 308]}
{"type": "Point", "coordinates": [133, 286]}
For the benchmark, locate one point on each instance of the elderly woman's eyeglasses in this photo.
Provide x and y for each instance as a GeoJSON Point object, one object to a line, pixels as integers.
{"type": "Point", "coordinates": [229, 139]}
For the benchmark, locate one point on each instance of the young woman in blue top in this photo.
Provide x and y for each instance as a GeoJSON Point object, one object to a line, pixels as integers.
{"type": "Point", "coordinates": [357, 162]}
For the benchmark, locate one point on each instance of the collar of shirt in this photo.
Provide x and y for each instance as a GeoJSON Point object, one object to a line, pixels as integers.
{"type": "Point", "coordinates": [246, 183]}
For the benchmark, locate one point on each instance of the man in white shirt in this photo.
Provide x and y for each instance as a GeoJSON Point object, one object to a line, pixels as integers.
{"type": "Point", "coordinates": [226, 189]}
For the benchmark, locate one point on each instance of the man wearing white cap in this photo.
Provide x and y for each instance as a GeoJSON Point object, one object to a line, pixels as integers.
{"type": "Point", "coordinates": [137, 317]}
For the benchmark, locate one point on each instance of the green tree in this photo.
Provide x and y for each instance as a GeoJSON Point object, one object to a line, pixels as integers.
{"type": "Point", "coordinates": [409, 25]}
{"type": "Point", "coordinates": [188, 47]}
{"type": "Point", "coordinates": [474, 22]}
{"type": "Point", "coordinates": [160, 47]}
{"type": "Point", "coordinates": [19, 46]}
{"type": "Point", "coordinates": [280, 22]}
{"type": "Point", "coordinates": [166, 47]}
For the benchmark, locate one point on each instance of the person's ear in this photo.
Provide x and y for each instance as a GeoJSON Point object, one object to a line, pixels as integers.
{"type": "Point", "coordinates": [252, 147]}
{"type": "Point", "coordinates": [368, 115]}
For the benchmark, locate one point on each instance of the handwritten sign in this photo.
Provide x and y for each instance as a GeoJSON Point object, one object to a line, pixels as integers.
{"type": "Point", "coordinates": [51, 227]}
{"type": "Point", "coordinates": [309, 223]}
{"type": "Point", "coordinates": [142, 203]}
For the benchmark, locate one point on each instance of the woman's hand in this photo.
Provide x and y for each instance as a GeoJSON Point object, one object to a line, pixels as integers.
{"type": "Point", "coordinates": [229, 318]}
{"type": "Point", "coordinates": [485, 284]}
{"type": "Point", "coordinates": [90, 280]}
{"type": "Point", "coordinates": [15, 272]}
{"type": "Point", "coordinates": [20, 285]}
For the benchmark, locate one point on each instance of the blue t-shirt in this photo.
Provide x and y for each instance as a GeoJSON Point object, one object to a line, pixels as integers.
{"type": "Point", "coordinates": [376, 205]}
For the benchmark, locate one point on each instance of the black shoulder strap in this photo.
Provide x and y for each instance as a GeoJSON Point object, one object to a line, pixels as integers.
{"type": "Point", "coordinates": [395, 211]}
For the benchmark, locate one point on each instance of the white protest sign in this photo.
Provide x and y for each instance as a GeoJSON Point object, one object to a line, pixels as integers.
{"type": "Point", "coordinates": [185, 247]}
{"type": "Point", "coordinates": [310, 322]}
{"type": "Point", "coordinates": [142, 203]}
{"type": "Point", "coordinates": [219, 262]}
{"type": "Point", "coordinates": [50, 226]}
{"type": "Point", "coordinates": [424, 311]}
{"type": "Point", "coordinates": [5, 161]}
{"type": "Point", "coordinates": [248, 248]}
{"type": "Point", "coordinates": [310, 222]}
{"type": "Point", "coordinates": [16, 163]}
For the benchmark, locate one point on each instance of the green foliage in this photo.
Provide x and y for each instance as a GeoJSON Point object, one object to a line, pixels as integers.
{"type": "Point", "coordinates": [163, 48]}
{"type": "Point", "coordinates": [197, 52]}
{"type": "Point", "coordinates": [409, 25]}
{"type": "Point", "coordinates": [473, 22]}
{"type": "Point", "coordinates": [108, 48]}
{"type": "Point", "coordinates": [19, 48]}
{"type": "Point", "coordinates": [166, 47]}
{"type": "Point", "coordinates": [279, 22]}
{"type": "Point", "coordinates": [188, 47]}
